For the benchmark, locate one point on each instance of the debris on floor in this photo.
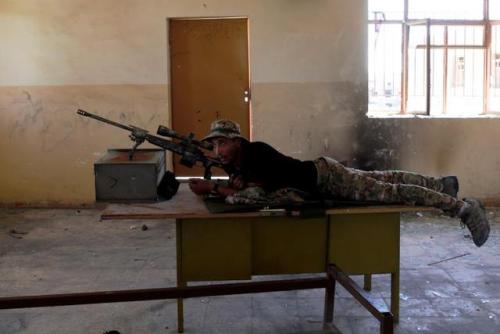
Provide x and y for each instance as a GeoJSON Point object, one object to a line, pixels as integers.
{"type": "Point", "coordinates": [448, 259]}
{"type": "Point", "coordinates": [16, 234]}
{"type": "Point", "coordinates": [62, 252]}
{"type": "Point", "coordinates": [143, 227]}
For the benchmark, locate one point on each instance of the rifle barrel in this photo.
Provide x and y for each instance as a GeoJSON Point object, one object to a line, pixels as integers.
{"type": "Point", "coordinates": [99, 118]}
{"type": "Point", "coordinates": [187, 148]}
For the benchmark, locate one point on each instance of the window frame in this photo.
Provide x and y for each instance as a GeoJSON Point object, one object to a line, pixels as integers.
{"type": "Point", "coordinates": [406, 25]}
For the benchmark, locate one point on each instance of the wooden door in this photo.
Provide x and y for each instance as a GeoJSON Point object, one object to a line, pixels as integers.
{"type": "Point", "coordinates": [209, 77]}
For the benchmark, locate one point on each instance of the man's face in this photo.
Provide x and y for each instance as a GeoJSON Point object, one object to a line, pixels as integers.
{"type": "Point", "coordinates": [227, 150]}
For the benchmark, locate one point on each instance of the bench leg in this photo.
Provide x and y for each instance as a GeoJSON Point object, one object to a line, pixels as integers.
{"type": "Point", "coordinates": [329, 300]}
{"type": "Point", "coordinates": [387, 324]}
{"type": "Point", "coordinates": [395, 296]}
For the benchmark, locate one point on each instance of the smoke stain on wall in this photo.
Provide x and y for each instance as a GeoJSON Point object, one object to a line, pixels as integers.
{"type": "Point", "coordinates": [378, 143]}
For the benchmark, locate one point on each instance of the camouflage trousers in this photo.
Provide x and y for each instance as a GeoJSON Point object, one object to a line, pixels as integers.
{"type": "Point", "coordinates": [392, 187]}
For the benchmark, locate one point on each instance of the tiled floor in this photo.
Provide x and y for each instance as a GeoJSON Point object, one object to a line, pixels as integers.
{"type": "Point", "coordinates": [61, 251]}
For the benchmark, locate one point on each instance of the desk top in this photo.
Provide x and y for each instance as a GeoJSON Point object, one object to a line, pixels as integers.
{"type": "Point", "coordinates": [186, 204]}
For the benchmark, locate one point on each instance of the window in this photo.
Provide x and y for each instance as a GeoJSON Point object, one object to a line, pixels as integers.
{"type": "Point", "coordinates": [434, 57]}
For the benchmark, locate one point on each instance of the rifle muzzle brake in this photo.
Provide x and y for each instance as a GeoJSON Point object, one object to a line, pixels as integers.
{"type": "Point", "coordinates": [82, 112]}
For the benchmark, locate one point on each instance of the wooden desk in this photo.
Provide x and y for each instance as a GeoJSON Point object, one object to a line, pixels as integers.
{"type": "Point", "coordinates": [234, 246]}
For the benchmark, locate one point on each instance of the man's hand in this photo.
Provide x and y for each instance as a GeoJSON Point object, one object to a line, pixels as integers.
{"type": "Point", "coordinates": [201, 186]}
{"type": "Point", "coordinates": [237, 182]}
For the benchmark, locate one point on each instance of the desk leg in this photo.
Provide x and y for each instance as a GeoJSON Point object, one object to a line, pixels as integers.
{"type": "Point", "coordinates": [180, 312]}
{"type": "Point", "coordinates": [395, 296]}
{"type": "Point", "coordinates": [180, 280]}
{"type": "Point", "coordinates": [368, 282]}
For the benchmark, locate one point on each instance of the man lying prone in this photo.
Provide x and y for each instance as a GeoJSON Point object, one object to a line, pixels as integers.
{"type": "Point", "coordinates": [259, 169]}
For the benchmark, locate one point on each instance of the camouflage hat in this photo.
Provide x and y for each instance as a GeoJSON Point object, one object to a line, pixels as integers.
{"type": "Point", "coordinates": [224, 128]}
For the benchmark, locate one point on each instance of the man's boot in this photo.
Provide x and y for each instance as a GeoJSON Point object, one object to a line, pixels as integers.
{"type": "Point", "coordinates": [450, 185]}
{"type": "Point", "coordinates": [473, 215]}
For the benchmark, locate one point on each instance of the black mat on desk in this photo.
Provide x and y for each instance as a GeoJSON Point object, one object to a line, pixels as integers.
{"type": "Point", "coordinates": [308, 208]}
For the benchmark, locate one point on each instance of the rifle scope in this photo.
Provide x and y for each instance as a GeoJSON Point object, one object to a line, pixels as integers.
{"type": "Point", "coordinates": [167, 132]}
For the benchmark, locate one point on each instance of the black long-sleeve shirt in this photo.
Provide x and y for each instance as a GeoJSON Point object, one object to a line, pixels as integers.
{"type": "Point", "coordinates": [262, 164]}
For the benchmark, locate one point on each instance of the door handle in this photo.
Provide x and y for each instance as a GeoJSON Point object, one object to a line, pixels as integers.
{"type": "Point", "coordinates": [246, 95]}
